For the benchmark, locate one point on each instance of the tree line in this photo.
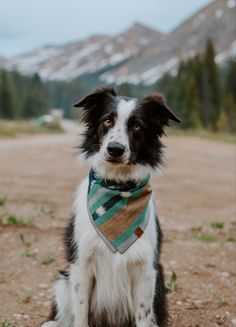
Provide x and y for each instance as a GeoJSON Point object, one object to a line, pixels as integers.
{"type": "Point", "coordinates": [201, 93]}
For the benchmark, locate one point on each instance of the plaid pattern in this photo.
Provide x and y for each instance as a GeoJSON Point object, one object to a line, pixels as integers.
{"type": "Point", "coordinates": [118, 212]}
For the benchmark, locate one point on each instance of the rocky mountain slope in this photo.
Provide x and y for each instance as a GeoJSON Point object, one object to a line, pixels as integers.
{"type": "Point", "coordinates": [140, 54]}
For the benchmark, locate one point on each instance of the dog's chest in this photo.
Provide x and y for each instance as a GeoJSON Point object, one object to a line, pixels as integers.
{"type": "Point", "coordinates": [113, 272]}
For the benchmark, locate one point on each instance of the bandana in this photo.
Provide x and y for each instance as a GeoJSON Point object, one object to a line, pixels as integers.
{"type": "Point", "coordinates": [118, 212]}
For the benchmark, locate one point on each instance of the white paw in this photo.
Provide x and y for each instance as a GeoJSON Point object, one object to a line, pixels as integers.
{"type": "Point", "coordinates": [50, 324]}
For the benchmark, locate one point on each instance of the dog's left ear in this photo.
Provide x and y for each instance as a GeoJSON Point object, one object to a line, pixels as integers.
{"type": "Point", "coordinates": [157, 105]}
{"type": "Point", "coordinates": [95, 98]}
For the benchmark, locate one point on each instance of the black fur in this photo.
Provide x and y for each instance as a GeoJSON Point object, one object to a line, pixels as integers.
{"type": "Point", "coordinates": [70, 246]}
{"type": "Point", "coordinates": [159, 304]}
{"type": "Point", "coordinates": [103, 322]}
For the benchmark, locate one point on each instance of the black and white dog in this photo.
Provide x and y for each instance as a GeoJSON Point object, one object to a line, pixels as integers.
{"type": "Point", "coordinates": [100, 288]}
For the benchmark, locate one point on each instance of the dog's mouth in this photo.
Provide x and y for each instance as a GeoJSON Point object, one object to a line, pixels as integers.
{"type": "Point", "coordinates": [115, 161]}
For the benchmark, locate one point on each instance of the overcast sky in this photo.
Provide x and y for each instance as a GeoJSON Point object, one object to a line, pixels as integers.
{"type": "Point", "coordinates": [28, 24]}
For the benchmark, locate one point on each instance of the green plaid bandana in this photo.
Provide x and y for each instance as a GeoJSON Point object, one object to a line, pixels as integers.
{"type": "Point", "coordinates": [118, 212]}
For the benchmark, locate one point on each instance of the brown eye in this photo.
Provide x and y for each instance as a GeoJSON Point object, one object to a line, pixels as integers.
{"type": "Point", "coordinates": [136, 128]}
{"type": "Point", "coordinates": [107, 122]}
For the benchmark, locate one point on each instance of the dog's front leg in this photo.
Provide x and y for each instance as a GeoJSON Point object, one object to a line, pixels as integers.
{"type": "Point", "coordinates": [81, 287]}
{"type": "Point", "coordinates": [143, 291]}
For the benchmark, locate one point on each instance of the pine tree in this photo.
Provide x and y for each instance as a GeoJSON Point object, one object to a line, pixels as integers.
{"type": "Point", "coordinates": [35, 102]}
{"type": "Point", "coordinates": [229, 101]}
{"type": "Point", "coordinates": [211, 88]}
{"type": "Point", "coordinates": [193, 104]}
{"type": "Point", "coordinates": [7, 108]}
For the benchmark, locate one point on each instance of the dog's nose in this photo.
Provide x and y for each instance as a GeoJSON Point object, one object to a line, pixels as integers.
{"type": "Point", "coordinates": [115, 149]}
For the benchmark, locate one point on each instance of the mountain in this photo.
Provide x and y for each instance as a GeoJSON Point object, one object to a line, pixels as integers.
{"type": "Point", "coordinates": [216, 21]}
{"type": "Point", "coordinates": [95, 54]}
{"type": "Point", "coordinates": [139, 54]}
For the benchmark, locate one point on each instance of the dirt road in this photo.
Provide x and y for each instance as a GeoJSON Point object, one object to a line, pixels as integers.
{"type": "Point", "coordinates": [196, 206]}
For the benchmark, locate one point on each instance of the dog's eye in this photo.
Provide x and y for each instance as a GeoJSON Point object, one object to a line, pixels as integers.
{"type": "Point", "coordinates": [107, 122]}
{"type": "Point", "coordinates": [136, 127]}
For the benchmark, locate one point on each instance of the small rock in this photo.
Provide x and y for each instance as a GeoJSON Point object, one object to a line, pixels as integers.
{"type": "Point", "coordinates": [47, 304]}
{"type": "Point", "coordinates": [26, 317]}
{"type": "Point", "coordinates": [17, 316]}
{"type": "Point", "coordinates": [234, 322]}
{"type": "Point", "coordinates": [198, 302]}
{"type": "Point", "coordinates": [179, 302]}
{"type": "Point", "coordinates": [225, 274]}
{"type": "Point", "coordinates": [43, 286]}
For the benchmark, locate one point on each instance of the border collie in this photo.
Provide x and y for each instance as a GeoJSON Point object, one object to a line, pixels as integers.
{"type": "Point", "coordinates": [106, 285]}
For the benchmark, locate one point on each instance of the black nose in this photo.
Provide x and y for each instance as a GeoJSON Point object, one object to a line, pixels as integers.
{"type": "Point", "coordinates": [115, 149]}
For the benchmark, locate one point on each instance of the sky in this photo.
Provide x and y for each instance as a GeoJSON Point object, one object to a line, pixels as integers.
{"type": "Point", "coordinates": [29, 24]}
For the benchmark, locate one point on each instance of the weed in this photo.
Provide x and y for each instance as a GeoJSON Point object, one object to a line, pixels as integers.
{"type": "Point", "coordinates": [24, 241]}
{"type": "Point", "coordinates": [13, 220]}
{"type": "Point", "coordinates": [47, 211]}
{"type": "Point", "coordinates": [217, 225]}
{"type": "Point", "coordinates": [46, 261]}
{"type": "Point", "coordinates": [5, 323]}
{"type": "Point", "coordinates": [26, 297]}
{"type": "Point", "coordinates": [196, 229]}
{"type": "Point", "coordinates": [207, 238]}
{"type": "Point", "coordinates": [171, 283]}
{"type": "Point", "coordinates": [29, 253]}
{"type": "Point", "coordinates": [231, 239]}
{"type": "Point", "coordinates": [1, 220]}
{"type": "Point", "coordinates": [3, 201]}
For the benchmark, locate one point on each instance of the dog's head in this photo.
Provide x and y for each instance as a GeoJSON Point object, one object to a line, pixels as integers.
{"type": "Point", "coordinates": [122, 136]}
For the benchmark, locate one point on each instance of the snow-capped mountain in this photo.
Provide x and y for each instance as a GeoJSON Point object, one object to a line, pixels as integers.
{"type": "Point", "coordinates": [140, 54]}
{"type": "Point", "coordinates": [95, 54]}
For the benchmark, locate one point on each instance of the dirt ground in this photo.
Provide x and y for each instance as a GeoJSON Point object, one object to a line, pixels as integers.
{"type": "Point", "coordinates": [38, 176]}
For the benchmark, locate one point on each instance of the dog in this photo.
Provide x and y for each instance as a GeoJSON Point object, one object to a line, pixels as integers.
{"type": "Point", "coordinates": [115, 280]}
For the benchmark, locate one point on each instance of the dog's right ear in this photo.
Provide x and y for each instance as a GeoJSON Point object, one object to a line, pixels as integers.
{"type": "Point", "coordinates": [96, 98]}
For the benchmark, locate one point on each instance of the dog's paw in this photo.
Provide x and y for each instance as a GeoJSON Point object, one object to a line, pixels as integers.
{"type": "Point", "coordinates": [50, 324]}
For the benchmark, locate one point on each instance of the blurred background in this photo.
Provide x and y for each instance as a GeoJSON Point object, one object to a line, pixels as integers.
{"type": "Point", "coordinates": [53, 53]}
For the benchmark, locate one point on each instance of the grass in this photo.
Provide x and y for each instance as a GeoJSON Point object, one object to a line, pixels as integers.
{"type": "Point", "coordinates": [24, 241]}
{"type": "Point", "coordinates": [217, 225]}
{"type": "Point", "coordinates": [198, 233]}
{"type": "Point", "coordinates": [47, 260]}
{"type": "Point", "coordinates": [13, 128]}
{"type": "Point", "coordinates": [5, 323]}
{"type": "Point", "coordinates": [171, 283]}
{"type": "Point", "coordinates": [216, 136]}
{"type": "Point", "coordinates": [26, 297]}
{"type": "Point", "coordinates": [207, 238]}
{"type": "Point", "coordinates": [196, 229]}
{"type": "Point", "coordinates": [28, 253]}
{"type": "Point", "coordinates": [14, 220]}
{"type": "Point", "coordinates": [3, 201]}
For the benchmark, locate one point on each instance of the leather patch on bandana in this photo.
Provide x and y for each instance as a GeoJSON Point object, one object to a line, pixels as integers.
{"type": "Point", "coordinates": [139, 231]}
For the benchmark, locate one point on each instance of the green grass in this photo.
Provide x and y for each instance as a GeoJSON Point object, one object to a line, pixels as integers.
{"type": "Point", "coordinates": [5, 323]}
{"type": "Point", "coordinates": [217, 225]}
{"type": "Point", "coordinates": [13, 128]}
{"type": "Point", "coordinates": [3, 201]}
{"type": "Point", "coordinates": [28, 253]}
{"type": "Point", "coordinates": [13, 220]}
{"type": "Point", "coordinates": [171, 283]}
{"type": "Point", "coordinates": [207, 238]}
{"type": "Point", "coordinates": [196, 229]}
{"type": "Point", "coordinates": [47, 260]}
{"type": "Point", "coordinates": [24, 241]}
{"type": "Point", "coordinates": [26, 297]}
{"type": "Point", "coordinates": [216, 136]}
